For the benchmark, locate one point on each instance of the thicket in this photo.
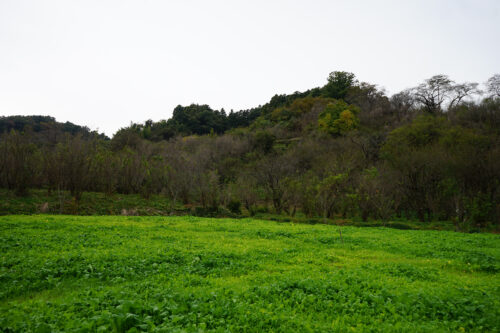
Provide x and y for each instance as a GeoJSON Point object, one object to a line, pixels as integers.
{"type": "Point", "coordinates": [342, 150]}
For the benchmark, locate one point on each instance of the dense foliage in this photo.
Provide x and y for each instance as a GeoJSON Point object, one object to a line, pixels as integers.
{"type": "Point", "coordinates": [342, 150]}
{"type": "Point", "coordinates": [156, 274]}
{"type": "Point", "coordinates": [44, 129]}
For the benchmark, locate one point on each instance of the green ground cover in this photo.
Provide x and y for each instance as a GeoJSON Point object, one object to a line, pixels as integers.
{"type": "Point", "coordinates": [129, 274]}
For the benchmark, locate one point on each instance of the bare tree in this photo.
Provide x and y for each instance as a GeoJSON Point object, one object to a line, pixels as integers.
{"type": "Point", "coordinates": [403, 104]}
{"type": "Point", "coordinates": [208, 189]}
{"type": "Point", "coordinates": [493, 86]}
{"type": "Point", "coordinates": [462, 90]}
{"type": "Point", "coordinates": [75, 156]}
{"type": "Point", "coordinates": [271, 173]}
{"type": "Point", "coordinates": [440, 89]}
{"type": "Point", "coordinates": [433, 93]}
{"type": "Point", "coordinates": [247, 190]}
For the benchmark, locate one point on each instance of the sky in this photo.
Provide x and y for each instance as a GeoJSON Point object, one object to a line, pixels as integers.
{"type": "Point", "coordinates": [107, 63]}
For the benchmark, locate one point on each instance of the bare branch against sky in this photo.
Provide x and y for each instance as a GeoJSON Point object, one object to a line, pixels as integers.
{"type": "Point", "coordinates": [106, 63]}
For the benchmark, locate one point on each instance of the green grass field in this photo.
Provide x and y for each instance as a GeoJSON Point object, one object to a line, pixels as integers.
{"type": "Point", "coordinates": [129, 274]}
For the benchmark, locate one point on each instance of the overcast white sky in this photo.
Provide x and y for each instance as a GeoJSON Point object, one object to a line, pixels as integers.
{"type": "Point", "coordinates": [106, 63]}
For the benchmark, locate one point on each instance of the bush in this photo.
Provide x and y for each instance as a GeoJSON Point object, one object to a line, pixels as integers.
{"type": "Point", "coordinates": [399, 225]}
{"type": "Point", "coordinates": [204, 211]}
{"type": "Point", "coordinates": [212, 212]}
{"type": "Point", "coordinates": [234, 206]}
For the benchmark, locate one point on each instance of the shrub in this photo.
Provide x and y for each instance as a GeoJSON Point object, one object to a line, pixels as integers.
{"type": "Point", "coordinates": [234, 206]}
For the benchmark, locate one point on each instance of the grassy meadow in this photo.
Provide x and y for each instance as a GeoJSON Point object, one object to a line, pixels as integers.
{"type": "Point", "coordinates": [190, 274]}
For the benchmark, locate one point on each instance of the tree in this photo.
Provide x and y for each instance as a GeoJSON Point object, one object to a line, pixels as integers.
{"type": "Point", "coordinates": [329, 192]}
{"type": "Point", "coordinates": [103, 170]}
{"type": "Point", "coordinates": [440, 88]}
{"type": "Point", "coordinates": [271, 173]}
{"type": "Point", "coordinates": [198, 119]}
{"type": "Point", "coordinates": [493, 86]}
{"type": "Point", "coordinates": [208, 190]}
{"type": "Point", "coordinates": [461, 91]}
{"type": "Point", "coordinates": [403, 104]}
{"type": "Point", "coordinates": [338, 84]}
{"type": "Point", "coordinates": [132, 170]}
{"type": "Point", "coordinates": [264, 141]}
{"type": "Point", "coordinates": [374, 194]}
{"type": "Point", "coordinates": [127, 137]}
{"type": "Point", "coordinates": [75, 158]}
{"type": "Point", "coordinates": [246, 190]}
{"type": "Point", "coordinates": [434, 92]}
{"type": "Point", "coordinates": [338, 118]}
{"type": "Point", "coordinates": [18, 162]}
{"type": "Point", "coordinates": [373, 103]}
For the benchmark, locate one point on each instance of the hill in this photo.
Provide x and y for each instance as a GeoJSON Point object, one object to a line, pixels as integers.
{"type": "Point", "coordinates": [45, 130]}
{"type": "Point", "coordinates": [341, 151]}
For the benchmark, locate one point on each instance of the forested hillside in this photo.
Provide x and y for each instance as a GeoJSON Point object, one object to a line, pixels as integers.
{"type": "Point", "coordinates": [346, 149]}
{"type": "Point", "coordinates": [45, 130]}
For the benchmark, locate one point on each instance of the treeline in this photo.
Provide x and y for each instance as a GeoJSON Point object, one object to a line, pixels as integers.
{"type": "Point", "coordinates": [45, 130]}
{"type": "Point", "coordinates": [202, 120]}
{"type": "Point", "coordinates": [343, 150]}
